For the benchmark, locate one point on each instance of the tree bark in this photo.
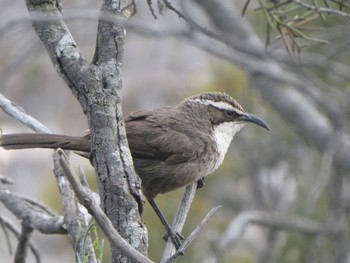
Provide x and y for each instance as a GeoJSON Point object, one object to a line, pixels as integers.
{"type": "Point", "coordinates": [97, 86]}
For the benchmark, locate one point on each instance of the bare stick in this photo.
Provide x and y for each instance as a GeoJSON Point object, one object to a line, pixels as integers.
{"type": "Point", "coordinates": [180, 218]}
{"type": "Point", "coordinates": [18, 113]}
{"type": "Point", "coordinates": [169, 254]}
{"type": "Point", "coordinates": [36, 203]}
{"type": "Point", "coordinates": [6, 180]}
{"type": "Point", "coordinates": [7, 224]}
{"type": "Point", "coordinates": [283, 222]}
{"type": "Point", "coordinates": [76, 218]}
{"type": "Point", "coordinates": [22, 247]}
{"type": "Point", "coordinates": [193, 235]}
{"type": "Point", "coordinates": [325, 10]}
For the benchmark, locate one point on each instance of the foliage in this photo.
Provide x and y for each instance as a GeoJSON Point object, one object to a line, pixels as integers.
{"type": "Point", "coordinates": [295, 22]}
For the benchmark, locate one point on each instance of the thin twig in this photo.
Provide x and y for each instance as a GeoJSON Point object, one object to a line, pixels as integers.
{"type": "Point", "coordinates": [76, 218]}
{"type": "Point", "coordinates": [23, 243]}
{"type": "Point", "coordinates": [193, 235]}
{"type": "Point", "coordinates": [82, 177]}
{"type": "Point", "coordinates": [324, 175]}
{"type": "Point", "coordinates": [180, 218]}
{"type": "Point", "coordinates": [322, 9]}
{"type": "Point", "coordinates": [4, 227]}
{"type": "Point", "coordinates": [169, 5]}
{"type": "Point", "coordinates": [92, 15]}
{"type": "Point", "coordinates": [18, 113]}
{"type": "Point", "coordinates": [5, 179]}
{"type": "Point", "coordinates": [7, 224]}
{"type": "Point", "coordinates": [149, 2]}
{"type": "Point", "coordinates": [276, 221]}
{"type": "Point", "coordinates": [336, 212]}
{"type": "Point", "coordinates": [37, 204]}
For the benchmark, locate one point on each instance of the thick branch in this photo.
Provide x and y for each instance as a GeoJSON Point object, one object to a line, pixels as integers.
{"type": "Point", "coordinates": [97, 87]}
{"type": "Point", "coordinates": [40, 221]}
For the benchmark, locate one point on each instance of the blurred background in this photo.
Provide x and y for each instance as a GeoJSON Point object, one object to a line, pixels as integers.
{"type": "Point", "coordinates": [275, 171]}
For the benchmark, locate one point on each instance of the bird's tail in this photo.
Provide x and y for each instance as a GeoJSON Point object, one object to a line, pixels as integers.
{"type": "Point", "coordinates": [37, 140]}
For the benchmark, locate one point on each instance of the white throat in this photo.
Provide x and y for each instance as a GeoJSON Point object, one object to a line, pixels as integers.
{"type": "Point", "coordinates": [223, 135]}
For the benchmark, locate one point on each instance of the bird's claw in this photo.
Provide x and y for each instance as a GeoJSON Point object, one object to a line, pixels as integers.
{"type": "Point", "coordinates": [200, 183]}
{"type": "Point", "coordinates": [175, 237]}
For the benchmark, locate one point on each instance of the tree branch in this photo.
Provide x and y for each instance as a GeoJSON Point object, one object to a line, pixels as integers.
{"type": "Point", "coordinates": [18, 113]}
{"type": "Point", "coordinates": [180, 218]}
{"type": "Point", "coordinates": [22, 247]}
{"type": "Point", "coordinates": [169, 253]}
{"type": "Point", "coordinates": [193, 235]}
{"type": "Point", "coordinates": [40, 221]}
{"type": "Point", "coordinates": [7, 224]}
{"type": "Point", "coordinates": [87, 199]}
{"type": "Point", "coordinates": [5, 179]}
{"type": "Point", "coordinates": [319, 9]}
{"type": "Point", "coordinates": [97, 87]}
{"type": "Point", "coordinates": [76, 218]}
{"type": "Point", "coordinates": [276, 221]}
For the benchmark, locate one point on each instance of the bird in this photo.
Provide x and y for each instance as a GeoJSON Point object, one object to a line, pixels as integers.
{"type": "Point", "coordinates": [171, 146]}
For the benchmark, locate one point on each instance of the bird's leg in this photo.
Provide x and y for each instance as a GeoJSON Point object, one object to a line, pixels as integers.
{"type": "Point", "coordinates": [175, 237]}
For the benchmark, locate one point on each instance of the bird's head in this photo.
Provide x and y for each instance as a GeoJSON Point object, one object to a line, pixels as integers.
{"type": "Point", "coordinates": [226, 116]}
{"type": "Point", "coordinates": [223, 109]}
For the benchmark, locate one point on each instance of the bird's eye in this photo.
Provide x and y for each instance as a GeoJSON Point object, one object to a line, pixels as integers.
{"type": "Point", "coordinates": [230, 113]}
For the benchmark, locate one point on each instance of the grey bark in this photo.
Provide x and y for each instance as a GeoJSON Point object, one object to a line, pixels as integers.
{"type": "Point", "coordinates": [92, 204]}
{"type": "Point", "coordinates": [25, 211]}
{"type": "Point", "coordinates": [97, 86]}
{"type": "Point", "coordinates": [76, 218]}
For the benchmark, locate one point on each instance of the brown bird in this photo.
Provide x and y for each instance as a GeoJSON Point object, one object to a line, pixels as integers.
{"type": "Point", "coordinates": [172, 146]}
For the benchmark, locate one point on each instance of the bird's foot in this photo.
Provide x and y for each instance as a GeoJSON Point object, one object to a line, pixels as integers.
{"type": "Point", "coordinates": [200, 183]}
{"type": "Point", "coordinates": [175, 237]}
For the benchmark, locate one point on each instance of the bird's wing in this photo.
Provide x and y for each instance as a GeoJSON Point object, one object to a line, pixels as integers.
{"type": "Point", "coordinates": [149, 138]}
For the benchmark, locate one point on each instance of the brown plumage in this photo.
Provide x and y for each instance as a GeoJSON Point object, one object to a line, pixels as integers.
{"type": "Point", "coordinates": [171, 146]}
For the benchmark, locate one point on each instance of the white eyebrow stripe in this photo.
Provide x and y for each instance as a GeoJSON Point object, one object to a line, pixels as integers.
{"type": "Point", "coordinates": [218, 104]}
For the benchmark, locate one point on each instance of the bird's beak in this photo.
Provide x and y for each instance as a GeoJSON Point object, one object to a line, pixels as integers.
{"type": "Point", "coordinates": [254, 119]}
